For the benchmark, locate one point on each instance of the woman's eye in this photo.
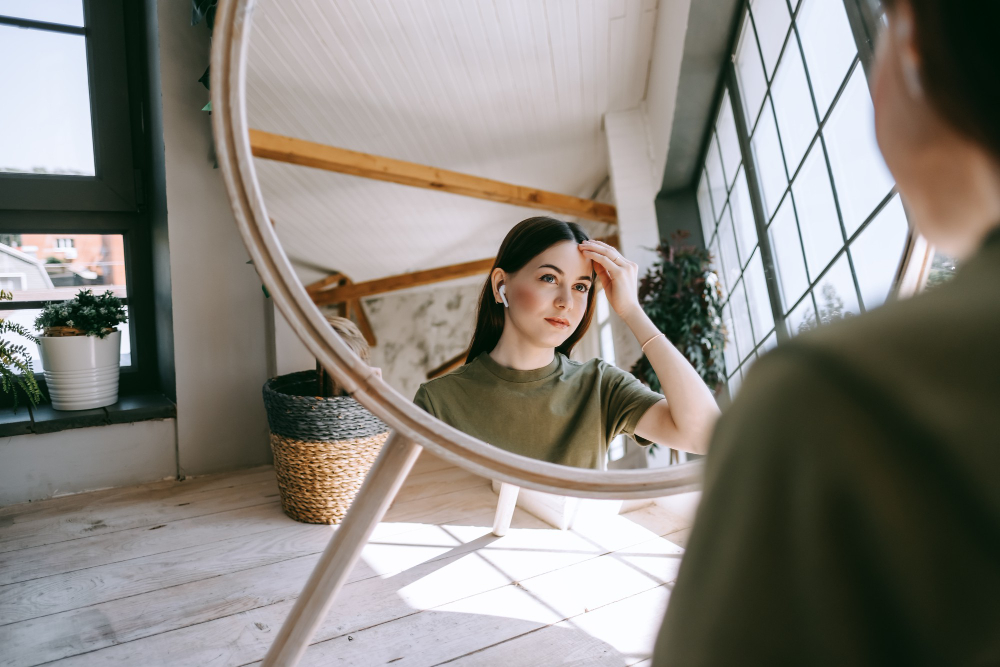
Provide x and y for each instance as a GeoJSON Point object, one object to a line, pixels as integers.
{"type": "Point", "coordinates": [548, 275]}
{"type": "Point", "coordinates": [585, 288]}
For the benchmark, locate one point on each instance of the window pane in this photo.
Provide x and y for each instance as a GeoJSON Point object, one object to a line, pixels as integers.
{"type": "Point", "coordinates": [802, 318]}
{"type": "Point", "coordinates": [26, 318]}
{"type": "Point", "coordinates": [54, 267]}
{"type": "Point", "coordinates": [727, 244]}
{"type": "Point", "coordinates": [818, 220]}
{"type": "Point", "coordinates": [607, 344]}
{"type": "Point", "coordinates": [767, 156]}
{"type": "Point", "coordinates": [741, 322]}
{"type": "Point", "coordinates": [760, 305]}
{"type": "Point", "coordinates": [45, 115]}
{"type": "Point", "coordinates": [772, 20]}
{"type": "Point", "coordinates": [793, 107]}
{"type": "Point", "coordinates": [743, 222]}
{"type": "Point", "coordinates": [942, 270]}
{"type": "Point", "coordinates": [750, 72]}
{"type": "Point", "coordinates": [66, 12]}
{"type": "Point", "coordinates": [828, 45]}
{"type": "Point", "coordinates": [729, 351]}
{"type": "Point", "coordinates": [836, 296]}
{"type": "Point", "coordinates": [735, 381]}
{"type": "Point", "coordinates": [769, 343]}
{"type": "Point", "coordinates": [716, 265]}
{"type": "Point", "coordinates": [877, 251]}
{"type": "Point", "coordinates": [705, 209]}
{"type": "Point", "coordinates": [603, 311]}
{"type": "Point", "coordinates": [788, 259]}
{"type": "Point", "coordinates": [729, 143]}
{"type": "Point", "coordinates": [716, 181]}
{"type": "Point", "coordinates": [859, 174]}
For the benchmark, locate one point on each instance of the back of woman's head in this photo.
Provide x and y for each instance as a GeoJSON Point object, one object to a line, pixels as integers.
{"type": "Point", "coordinates": [525, 241]}
{"type": "Point", "coordinates": [960, 63]}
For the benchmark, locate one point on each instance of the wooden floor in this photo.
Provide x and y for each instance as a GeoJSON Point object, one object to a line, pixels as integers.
{"type": "Point", "coordinates": [203, 572]}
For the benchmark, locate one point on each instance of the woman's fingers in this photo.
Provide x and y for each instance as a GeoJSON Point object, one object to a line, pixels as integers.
{"type": "Point", "coordinates": [603, 261]}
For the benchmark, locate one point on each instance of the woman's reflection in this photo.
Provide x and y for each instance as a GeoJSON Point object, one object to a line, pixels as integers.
{"type": "Point", "coordinates": [520, 391]}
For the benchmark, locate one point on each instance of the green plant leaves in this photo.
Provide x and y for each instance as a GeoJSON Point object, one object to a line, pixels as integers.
{"type": "Point", "coordinates": [203, 9]}
{"type": "Point", "coordinates": [91, 313]}
{"type": "Point", "coordinates": [682, 296]}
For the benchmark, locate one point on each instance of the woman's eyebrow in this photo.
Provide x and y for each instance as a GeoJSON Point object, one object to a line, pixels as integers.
{"type": "Point", "coordinates": [560, 271]}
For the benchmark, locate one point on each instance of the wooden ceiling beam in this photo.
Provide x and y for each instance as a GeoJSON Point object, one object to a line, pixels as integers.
{"type": "Point", "coordinates": [347, 292]}
{"type": "Point", "coordinates": [309, 154]}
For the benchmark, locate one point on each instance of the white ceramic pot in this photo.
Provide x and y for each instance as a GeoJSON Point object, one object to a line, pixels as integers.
{"type": "Point", "coordinates": [81, 371]}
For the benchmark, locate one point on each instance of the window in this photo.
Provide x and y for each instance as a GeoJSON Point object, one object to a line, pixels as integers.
{"type": "Point", "coordinates": [64, 129]}
{"type": "Point", "coordinates": [616, 448]}
{"type": "Point", "coordinates": [36, 270]}
{"type": "Point", "coordinates": [72, 214]}
{"type": "Point", "coordinates": [810, 230]}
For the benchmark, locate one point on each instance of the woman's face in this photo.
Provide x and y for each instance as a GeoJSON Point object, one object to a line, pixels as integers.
{"type": "Point", "coordinates": [548, 296]}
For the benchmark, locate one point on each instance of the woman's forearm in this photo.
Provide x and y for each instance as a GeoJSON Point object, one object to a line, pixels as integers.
{"type": "Point", "coordinates": [689, 399]}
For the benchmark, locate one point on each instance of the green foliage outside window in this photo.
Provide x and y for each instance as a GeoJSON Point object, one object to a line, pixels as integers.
{"type": "Point", "coordinates": [682, 296]}
{"type": "Point", "coordinates": [15, 362]}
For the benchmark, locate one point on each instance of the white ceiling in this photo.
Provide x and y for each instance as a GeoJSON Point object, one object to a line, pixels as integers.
{"type": "Point", "coordinates": [513, 90]}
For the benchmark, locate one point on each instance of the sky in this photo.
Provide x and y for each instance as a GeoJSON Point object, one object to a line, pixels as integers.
{"type": "Point", "coordinates": [45, 111]}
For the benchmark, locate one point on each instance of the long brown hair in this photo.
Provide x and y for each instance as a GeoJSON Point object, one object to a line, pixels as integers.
{"type": "Point", "coordinates": [528, 239]}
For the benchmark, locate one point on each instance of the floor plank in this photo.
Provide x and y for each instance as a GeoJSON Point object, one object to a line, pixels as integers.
{"type": "Point", "coordinates": [122, 515]}
{"type": "Point", "coordinates": [203, 572]}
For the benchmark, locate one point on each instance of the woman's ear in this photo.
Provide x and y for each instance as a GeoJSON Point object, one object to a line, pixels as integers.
{"type": "Point", "coordinates": [497, 279]}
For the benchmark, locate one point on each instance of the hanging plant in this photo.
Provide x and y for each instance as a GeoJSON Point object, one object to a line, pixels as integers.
{"type": "Point", "coordinates": [681, 295]}
{"type": "Point", "coordinates": [204, 9]}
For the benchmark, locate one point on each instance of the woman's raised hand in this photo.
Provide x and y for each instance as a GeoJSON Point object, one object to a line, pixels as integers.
{"type": "Point", "coordinates": [619, 276]}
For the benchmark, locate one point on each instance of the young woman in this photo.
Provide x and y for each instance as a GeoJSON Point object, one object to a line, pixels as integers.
{"type": "Point", "coordinates": [518, 388]}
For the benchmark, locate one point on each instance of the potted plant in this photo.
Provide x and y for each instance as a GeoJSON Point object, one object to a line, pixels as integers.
{"type": "Point", "coordinates": [16, 373]}
{"type": "Point", "coordinates": [80, 347]}
{"type": "Point", "coordinates": [682, 296]}
{"type": "Point", "coordinates": [323, 440]}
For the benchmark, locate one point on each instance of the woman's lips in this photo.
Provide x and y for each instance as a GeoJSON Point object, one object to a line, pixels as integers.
{"type": "Point", "coordinates": [557, 323]}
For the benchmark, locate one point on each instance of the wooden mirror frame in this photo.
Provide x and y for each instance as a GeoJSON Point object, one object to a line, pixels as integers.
{"type": "Point", "coordinates": [412, 428]}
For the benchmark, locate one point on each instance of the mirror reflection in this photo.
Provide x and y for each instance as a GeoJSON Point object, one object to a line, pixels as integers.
{"type": "Point", "coordinates": [424, 164]}
{"type": "Point", "coordinates": [415, 201]}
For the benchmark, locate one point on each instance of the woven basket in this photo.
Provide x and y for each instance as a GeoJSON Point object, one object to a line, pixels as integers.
{"type": "Point", "coordinates": [323, 447]}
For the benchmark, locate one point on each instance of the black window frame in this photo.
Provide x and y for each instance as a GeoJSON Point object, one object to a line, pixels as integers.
{"type": "Point", "coordinates": [112, 201]}
{"type": "Point", "coordinates": [864, 17]}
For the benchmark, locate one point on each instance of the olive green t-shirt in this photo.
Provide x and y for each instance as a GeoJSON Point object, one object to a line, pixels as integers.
{"type": "Point", "coordinates": [851, 507]}
{"type": "Point", "coordinates": [566, 412]}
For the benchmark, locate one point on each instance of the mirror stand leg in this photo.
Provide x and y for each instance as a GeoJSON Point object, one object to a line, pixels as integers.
{"type": "Point", "coordinates": [374, 497]}
{"type": "Point", "coordinates": [505, 508]}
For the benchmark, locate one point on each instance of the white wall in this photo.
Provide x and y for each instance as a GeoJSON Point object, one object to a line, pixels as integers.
{"type": "Point", "coordinates": [84, 459]}
{"type": "Point", "coordinates": [664, 78]}
{"type": "Point", "coordinates": [219, 325]}
{"type": "Point", "coordinates": [220, 328]}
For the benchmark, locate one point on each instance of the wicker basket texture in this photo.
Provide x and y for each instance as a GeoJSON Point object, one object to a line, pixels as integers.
{"type": "Point", "coordinates": [323, 447]}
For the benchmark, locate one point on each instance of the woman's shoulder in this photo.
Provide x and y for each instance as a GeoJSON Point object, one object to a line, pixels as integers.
{"type": "Point", "coordinates": [464, 372]}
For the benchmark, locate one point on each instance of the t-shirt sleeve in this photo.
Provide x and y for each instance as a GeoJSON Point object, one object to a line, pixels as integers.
{"type": "Point", "coordinates": [626, 400]}
{"type": "Point", "coordinates": [423, 400]}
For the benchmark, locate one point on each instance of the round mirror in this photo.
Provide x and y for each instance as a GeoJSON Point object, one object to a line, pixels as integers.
{"type": "Point", "coordinates": [375, 175]}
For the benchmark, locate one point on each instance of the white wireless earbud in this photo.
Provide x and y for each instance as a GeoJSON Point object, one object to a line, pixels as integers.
{"type": "Point", "coordinates": [503, 297]}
